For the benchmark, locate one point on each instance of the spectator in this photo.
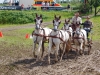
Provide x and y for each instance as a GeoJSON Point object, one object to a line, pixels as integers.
{"type": "Point", "coordinates": [22, 6]}
{"type": "Point", "coordinates": [47, 5]}
{"type": "Point", "coordinates": [43, 5]}
{"type": "Point", "coordinates": [68, 6]}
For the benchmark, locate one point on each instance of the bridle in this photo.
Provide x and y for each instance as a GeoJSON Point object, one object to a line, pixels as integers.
{"type": "Point", "coordinates": [56, 22]}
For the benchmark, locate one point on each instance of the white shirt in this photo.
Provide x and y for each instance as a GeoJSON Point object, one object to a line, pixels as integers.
{"type": "Point", "coordinates": [43, 3]}
{"type": "Point", "coordinates": [47, 4]}
{"type": "Point", "coordinates": [77, 20]}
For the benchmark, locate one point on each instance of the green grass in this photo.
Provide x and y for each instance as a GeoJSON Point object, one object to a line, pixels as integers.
{"type": "Point", "coordinates": [17, 37]}
{"type": "Point", "coordinates": [96, 28]}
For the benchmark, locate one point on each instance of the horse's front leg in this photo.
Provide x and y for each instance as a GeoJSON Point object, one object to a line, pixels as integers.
{"type": "Point", "coordinates": [81, 48]}
{"type": "Point", "coordinates": [38, 51]}
{"type": "Point", "coordinates": [56, 52]}
{"type": "Point", "coordinates": [34, 46]}
{"type": "Point", "coordinates": [49, 50]}
{"type": "Point", "coordinates": [42, 50]}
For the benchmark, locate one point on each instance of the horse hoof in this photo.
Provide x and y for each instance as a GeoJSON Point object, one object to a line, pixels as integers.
{"type": "Point", "coordinates": [35, 56]}
{"type": "Point", "coordinates": [56, 60]}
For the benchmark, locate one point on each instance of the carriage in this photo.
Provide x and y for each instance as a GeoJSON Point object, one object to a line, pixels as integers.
{"type": "Point", "coordinates": [60, 37]}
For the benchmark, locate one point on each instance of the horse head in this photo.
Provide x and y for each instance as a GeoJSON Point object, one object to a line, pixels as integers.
{"type": "Point", "coordinates": [38, 20]}
{"type": "Point", "coordinates": [66, 24]}
{"type": "Point", "coordinates": [56, 22]}
{"type": "Point", "coordinates": [78, 33]}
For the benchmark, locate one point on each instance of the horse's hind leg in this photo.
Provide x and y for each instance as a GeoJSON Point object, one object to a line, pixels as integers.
{"type": "Point", "coordinates": [64, 46]}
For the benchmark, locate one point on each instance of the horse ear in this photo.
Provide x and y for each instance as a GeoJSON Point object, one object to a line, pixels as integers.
{"type": "Point", "coordinates": [65, 20]}
{"type": "Point", "coordinates": [59, 17]}
{"type": "Point", "coordinates": [55, 16]}
{"type": "Point", "coordinates": [34, 20]}
{"type": "Point", "coordinates": [41, 15]}
{"type": "Point", "coordinates": [68, 20]}
{"type": "Point", "coordinates": [36, 14]}
{"type": "Point", "coordinates": [53, 21]}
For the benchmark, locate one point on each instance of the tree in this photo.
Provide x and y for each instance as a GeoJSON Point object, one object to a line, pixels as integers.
{"type": "Point", "coordinates": [95, 4]}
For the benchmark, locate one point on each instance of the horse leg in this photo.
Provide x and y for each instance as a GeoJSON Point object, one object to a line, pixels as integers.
{"type": "Point", "coordinates": [42, 50]}
{"type": "Point", "coordinates": [49, 50]}
{"type": "Point", "coordinates": [38, 51]}
{"type": "Point", "coordinates": [64, 46]}
{"type": "Point", "coordinates": [60, 50]}
{"type": "Point", "coordinates": [34, 46]}
{"type": "Point", "coordinates": [56, 52]}
{"type": "Point", "coordinates": [81, 48]}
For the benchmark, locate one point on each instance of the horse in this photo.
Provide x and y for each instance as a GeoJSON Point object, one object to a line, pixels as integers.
{"type": "Point", "coordinates": [67, 27]}
{"type": "Point", "coordinates": [56, 38]}
{"type": "Point", "coordinates": [80, 40]}
{"type": "Point", "coordinates": [39, 36]}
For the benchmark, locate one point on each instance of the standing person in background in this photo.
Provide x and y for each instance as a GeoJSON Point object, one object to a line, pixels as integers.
{"type": "Point", "coordinates": [47, 5]}
{"type": "Point", "coordinates": [43, 5]}
{"type": "Point", "coordinates": [68, 6]}
{"type": "Point", "coordinates": [22, 6]}
{"type": "Point", "coordinates": [76, 21]}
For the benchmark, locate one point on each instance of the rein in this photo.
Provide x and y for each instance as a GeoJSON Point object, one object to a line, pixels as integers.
{"type": "Point", "coordinates": [39, 34]}
{"type": "Point", "coordinates": [55, 36]}
{"type": "Point", "coordinates": [79, 37]}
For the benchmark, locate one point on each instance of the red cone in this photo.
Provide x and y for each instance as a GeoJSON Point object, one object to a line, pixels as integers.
{"type": "Point", "coordinates": [1, 35]}
{"type": "Point", "coordinates": [27, 36]}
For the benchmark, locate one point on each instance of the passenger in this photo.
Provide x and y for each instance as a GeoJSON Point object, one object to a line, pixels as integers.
{"type": "Point", "coordinates": [87, 26]}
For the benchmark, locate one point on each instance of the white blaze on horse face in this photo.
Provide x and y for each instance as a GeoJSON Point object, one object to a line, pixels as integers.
{"type": "Point", "coordinates": [56, 24]}
{"type": "Point", "coordinates": [56, 27]}
{"type": "Point", "coordinates": [37, 26]}
{"type": "Point", "coordinates": [38, 22]}
{"type": "Point", "coordinates": [66, 26]}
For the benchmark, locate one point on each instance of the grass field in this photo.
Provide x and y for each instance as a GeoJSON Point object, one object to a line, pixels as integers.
{"type": "Point", "coordinates": [48, 16]}
{"type": "Point", "coordinates": [16, 51]}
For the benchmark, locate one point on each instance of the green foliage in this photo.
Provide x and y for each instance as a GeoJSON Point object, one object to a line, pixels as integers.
{"type": "Point", "coordinates": [84, 8]}
{"type": "Point", "coordinates": [24, 17]}
{"type": "Point", "coordinates": [96, 3]}
{"type": "Point", "coordinates": [15, 17]}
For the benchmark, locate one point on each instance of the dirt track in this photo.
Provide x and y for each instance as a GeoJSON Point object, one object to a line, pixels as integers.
{"type": "Point", "coordinates": [18, 60]}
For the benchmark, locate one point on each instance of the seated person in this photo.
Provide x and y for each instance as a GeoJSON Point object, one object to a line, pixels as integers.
{"type": "Point", "coordinates": [87, 25]}
{"type": "Point", "coordinates": [68, 6]}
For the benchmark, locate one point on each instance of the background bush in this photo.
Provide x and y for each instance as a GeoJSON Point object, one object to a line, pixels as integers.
{"type": "Point", "coordinates": [24, 17]}
{"type": "Point", "coordinates": [20, 17]}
